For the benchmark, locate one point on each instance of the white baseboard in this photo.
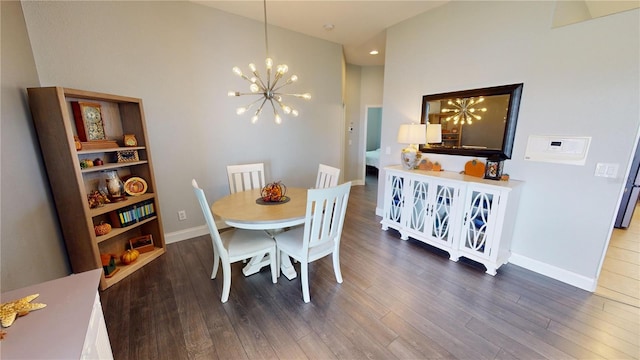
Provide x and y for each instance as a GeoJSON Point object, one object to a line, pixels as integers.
{"type": "Point", "coordinates": [185, 234]}
{"type": "Point", "coordinates": [379, 211]}
{"type": "Point", "coordinates": [357, 182]}
{"type": "Point", "coordinates": [554, 272]}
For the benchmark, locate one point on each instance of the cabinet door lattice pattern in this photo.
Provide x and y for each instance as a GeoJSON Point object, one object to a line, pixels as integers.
{"type": "Point", "coordinates": [475, 227]}
{"type": "Point", "coordinates": [420, 208]}
{"type": "Point", "coordinates": [397, 200]}
{"type": "Point", "coordinates": [441, 213]}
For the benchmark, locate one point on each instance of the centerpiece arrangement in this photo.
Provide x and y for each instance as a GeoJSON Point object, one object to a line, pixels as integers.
{"type": "Point", "coordinates": [273, 193]}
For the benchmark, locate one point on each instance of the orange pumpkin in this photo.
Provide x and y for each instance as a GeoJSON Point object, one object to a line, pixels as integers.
{"type": "Point", "coordinates": [102, 229]}
{"type": "Point", "coordinates": [474, 168]}
{"type": "Point", "coordinates": [129, 256]}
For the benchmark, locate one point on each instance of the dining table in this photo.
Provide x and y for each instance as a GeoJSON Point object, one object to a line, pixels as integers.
{"type": "Point", "coordinates": [246, 210]}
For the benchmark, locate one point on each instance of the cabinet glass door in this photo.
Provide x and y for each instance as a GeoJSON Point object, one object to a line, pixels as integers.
{"type": "Point", "coordinates": [441, 213]}
{"type": "Point", "coordinates": [420, 206]}
{"type": "Point", "coordinates": [396, 199]}
{"type": "Point", "coordinates": [478, 222]}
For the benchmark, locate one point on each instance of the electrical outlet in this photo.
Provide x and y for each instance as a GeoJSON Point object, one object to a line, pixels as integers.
{"type": "Point", "coordinates": [182, 215]}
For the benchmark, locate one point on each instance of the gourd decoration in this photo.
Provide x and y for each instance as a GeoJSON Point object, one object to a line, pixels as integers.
{"type": "Point", "coordinates": [129, 256]}
{"type": "Point", "coordinates": [97, 199]}
{"type": "Point", "coordinates": [102, 229]}
{"type": "Point", "coordinates": [273, 192]}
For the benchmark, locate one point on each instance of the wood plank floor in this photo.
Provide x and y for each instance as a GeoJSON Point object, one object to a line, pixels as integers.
{"type": "Point", "coordinates": [620, 276]}
{"type": "Point", "coordinates": [399, 300]}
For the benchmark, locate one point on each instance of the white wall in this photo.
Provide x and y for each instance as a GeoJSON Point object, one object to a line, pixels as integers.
{"type": "Point", "coordinates": [31, 247]}
{"type": "Point", "coordinates": [581, 80]}
{"type": "Point", "coordinates": [177, 56]}
{"type": "Point", "coordinates": [364, 88]}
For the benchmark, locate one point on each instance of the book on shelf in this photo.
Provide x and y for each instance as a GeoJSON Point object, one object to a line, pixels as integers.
{"type": "Point", "coordinates": [132, 214]}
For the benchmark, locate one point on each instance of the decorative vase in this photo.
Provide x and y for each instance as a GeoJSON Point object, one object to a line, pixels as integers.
{"type": "Point", "coordinates": [112, 186]}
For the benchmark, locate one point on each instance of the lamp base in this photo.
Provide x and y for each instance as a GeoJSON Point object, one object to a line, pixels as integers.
{"type": "Point", "coordinates": [410, 158]}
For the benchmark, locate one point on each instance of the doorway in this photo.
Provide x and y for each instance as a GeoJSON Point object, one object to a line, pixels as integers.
{"type": "Point", "coordinates": [372, 134]}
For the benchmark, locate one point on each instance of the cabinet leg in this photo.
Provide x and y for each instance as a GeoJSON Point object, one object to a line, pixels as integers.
{"type": "Point", "coordinates": [491, 270]}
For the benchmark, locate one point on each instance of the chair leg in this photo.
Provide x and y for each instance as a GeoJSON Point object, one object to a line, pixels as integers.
{"type": "Point", "coordinates": [273, 260]}
{"type": "Point", "coordinates": [336, 266]}
{"type": "Point", "coordinates": [304, 275]}
{"type": "Point", "coordinates": [216, 263]}
{"type": "Point", "coordinates": [226, 284]}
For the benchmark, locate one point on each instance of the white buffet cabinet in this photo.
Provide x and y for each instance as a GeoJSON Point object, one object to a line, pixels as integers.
{"type": "Point", "coordinates": [463, 215]}
{"type": "Point", "coordinates": [71, 326]}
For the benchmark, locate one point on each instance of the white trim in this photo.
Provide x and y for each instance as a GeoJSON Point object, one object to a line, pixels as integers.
{"type": "Point", "coordinates": [571, 278]}
{"type": "Point", "coordinates": [379, 211]}
{"type": "Point", "coordinates": [357, 182]}
{"type": "Point", "coordinates": [190, 233]}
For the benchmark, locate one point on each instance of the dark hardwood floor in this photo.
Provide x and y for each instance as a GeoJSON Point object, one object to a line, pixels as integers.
{"type": "Point", "coordinates": [399, 300]}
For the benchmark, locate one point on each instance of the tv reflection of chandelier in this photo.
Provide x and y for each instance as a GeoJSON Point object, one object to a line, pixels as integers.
{"type": "Point", "coordinates": [267, 89]}
{"type": "Point", "coordinates": [464, 110]}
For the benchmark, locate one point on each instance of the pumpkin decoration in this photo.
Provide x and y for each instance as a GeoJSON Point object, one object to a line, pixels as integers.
{"type": "Point", "coordinates": [474, 168]}
{"type": "Point", "coordinates": [273, 192]}
{"type": "Point", "coordinates": [129, 256]}
{"type": "Point", "coordinates": [102, 229]}
{"type": "Point", "coordinates": [437, 166]}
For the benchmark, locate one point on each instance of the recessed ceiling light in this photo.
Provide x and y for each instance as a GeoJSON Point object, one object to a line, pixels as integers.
{"type": "Point", "coordinates": [373, 52]}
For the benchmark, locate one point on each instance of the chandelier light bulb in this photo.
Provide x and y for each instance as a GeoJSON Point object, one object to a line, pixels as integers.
{"type": "Point", "coordinates": [254, 119]}
{"type": "Point", "coordinates": [286, 109]}
{"type": "Point", "coordinates": [241, 110]}
{"type": "Point", "coordinates": [269, 63]}
{"type": "Point", "coordinates": [254, 88]}
{"type": "Point", "coordinates": [293, 78]}
{"type": "Point", "coordinates": [252, 66]}
{"type": "Point", "coordinates": [294, 112]}
{"type": "Point", "coordinates": [233, 93]}
{"type": "Point", "coordinates": [278, 119]}
{"type": "Point", "coordinates": [237, 71]}
{"type": "Point", "coordinates": [282, 69]}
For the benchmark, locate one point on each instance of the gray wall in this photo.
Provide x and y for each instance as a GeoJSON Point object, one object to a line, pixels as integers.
{"type": "Point", "coordinates": [177, 56]}
{"type": "Point", "coordinates": [579, 80]}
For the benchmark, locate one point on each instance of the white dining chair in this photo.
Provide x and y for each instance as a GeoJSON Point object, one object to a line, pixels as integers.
{"type": "Point", "coordinates": [327, 176]}
{"type": "Point", "coordinates": [320, 235]}
{"type": "Point", "coordinates": [235, 245]}
{"type": "Point", "coordinates": [245, 177]}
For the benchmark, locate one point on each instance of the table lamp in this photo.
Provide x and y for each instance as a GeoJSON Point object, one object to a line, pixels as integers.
{"type": "Point", "coordinates": [412, 135]}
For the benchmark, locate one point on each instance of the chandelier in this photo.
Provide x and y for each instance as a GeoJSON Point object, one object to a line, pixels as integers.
{"type": "Point", "coordinates": [464, 110]}
{"type": "Point", "coordinates": [267, 89]}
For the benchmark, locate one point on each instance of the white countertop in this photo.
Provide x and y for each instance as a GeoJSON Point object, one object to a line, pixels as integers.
{"type": "Point", "coordinates": [57, 331]}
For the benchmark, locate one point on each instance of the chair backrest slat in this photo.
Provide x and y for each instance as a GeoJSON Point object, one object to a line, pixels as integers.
{"type": "Point", "coordinates": [245, 177]}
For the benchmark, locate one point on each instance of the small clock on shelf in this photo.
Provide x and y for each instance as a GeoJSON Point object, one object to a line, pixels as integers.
{"type": "Point", "coordinates": [130, 140]}
{"type": "Point", "coordinates": [89, 122]}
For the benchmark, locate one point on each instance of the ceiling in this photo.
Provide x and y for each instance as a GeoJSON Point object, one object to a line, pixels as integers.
{"type": "Point", "coordinates": [359, 26]}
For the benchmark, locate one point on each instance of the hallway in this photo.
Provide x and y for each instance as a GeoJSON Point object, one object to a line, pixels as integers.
{"type": "Point", "coordinates": [620, 276]}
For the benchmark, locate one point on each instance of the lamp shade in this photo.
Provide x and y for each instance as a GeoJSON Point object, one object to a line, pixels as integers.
{"type": "Point", "coordinates": [412, 134]}
{"type": "Point", "coordinates": [434, 134]}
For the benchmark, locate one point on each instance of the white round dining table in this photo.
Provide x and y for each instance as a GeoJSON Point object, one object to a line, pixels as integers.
{"type": "Point", "coordinates": [244, 210]}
